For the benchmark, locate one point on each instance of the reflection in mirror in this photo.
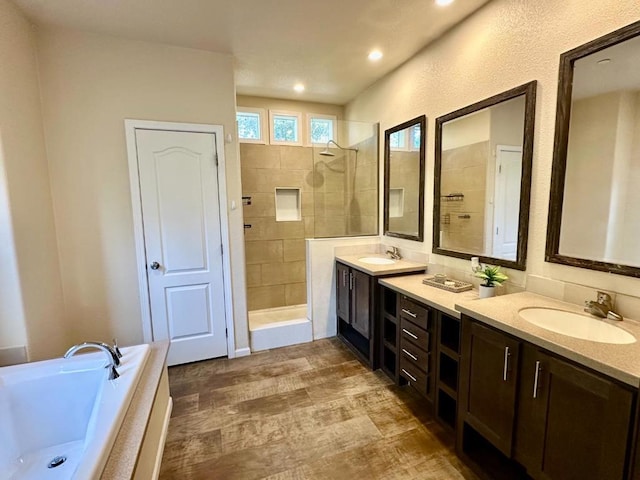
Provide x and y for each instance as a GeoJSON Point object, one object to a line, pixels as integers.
{"type": "Point", "coordinates": [483, 172]}
{"type": "Point", "coordinates": [594, 219]}
{"type": "Point", "coordinates": [404, 180]}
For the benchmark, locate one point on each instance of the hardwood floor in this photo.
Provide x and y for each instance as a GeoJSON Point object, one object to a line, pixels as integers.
{"type": "Point", "coordinates": [305, 412]}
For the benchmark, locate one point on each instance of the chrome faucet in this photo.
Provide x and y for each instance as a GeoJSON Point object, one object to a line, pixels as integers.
{"type": "Point", "coordinates": [602, 307]}
{"type": "Point", "coordinates": [394, 253]}
{"type": "Point", "coordinates": [112, 356]}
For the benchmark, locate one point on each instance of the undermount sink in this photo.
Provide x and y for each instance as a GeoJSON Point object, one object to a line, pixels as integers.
{"type": "Point", "coordinates": [377, 260]}
{"type": "Point", "coordinates": [576, 325]}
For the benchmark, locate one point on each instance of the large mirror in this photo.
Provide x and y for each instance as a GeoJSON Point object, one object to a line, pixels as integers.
{"type": "Point", "coordinates": [594, 207]}
{"type": "Point", "coordinates": [483, 179]}
{"type": "Point", "coordinates": [404, 148]}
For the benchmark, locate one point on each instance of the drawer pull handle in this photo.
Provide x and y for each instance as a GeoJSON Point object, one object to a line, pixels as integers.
{"type": "Point", "coordinates": [409, 375]}
{"type": "Point", "coordinates": [344, 278]}
{"type": "Point", "coordinates": [535, 380]}
{"type": "Point", "coordinates": [505, 370]}
{"type": "Point", "coordinates": [410, 313]}
{"type": "Point", "coordinates": [415, 337]}
{"type": "Point", "coordinates": [409, 354]}
{"type": "Point", "coordinates": [350, 281]}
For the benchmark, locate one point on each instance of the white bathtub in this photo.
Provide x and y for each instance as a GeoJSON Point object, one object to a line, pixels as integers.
{"type": "Point", "coordinates": [64, 407]}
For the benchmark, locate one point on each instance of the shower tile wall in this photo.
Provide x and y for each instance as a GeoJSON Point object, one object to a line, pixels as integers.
{"type": "Point", "coordinates": [275, 251]}
{"type": "Point", "coordinates": [464, 171]}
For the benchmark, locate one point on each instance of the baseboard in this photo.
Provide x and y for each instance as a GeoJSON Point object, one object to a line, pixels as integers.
{"type": "Point", "coordinates": [163, 439]}
{"type": "Point", "coordinates": [13, 355]}
{"type": "Point", "coordinates": [243, 352]}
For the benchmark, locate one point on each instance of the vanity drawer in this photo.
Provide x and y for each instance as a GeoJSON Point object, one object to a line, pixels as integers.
{"type": "Point", "coordinates": [416, 377]}
{"type": "Point", "coordinates": [414, 312]}
{"type": "Point", "coordinates": [414, 334]}
{"type": "Point", "coordinates": [414, 355]}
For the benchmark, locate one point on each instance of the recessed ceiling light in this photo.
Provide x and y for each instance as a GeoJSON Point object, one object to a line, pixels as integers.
{"type": "Point", "coordinates": [298, 87]}
{"type": "Point", "coordinates": [443, 3]}
{"type": "Point", "coordinates": [375, 55]}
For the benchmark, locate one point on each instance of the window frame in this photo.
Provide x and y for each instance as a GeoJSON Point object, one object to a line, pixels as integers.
{"type": "Point", "coordinates": [320, 116]}
{"type": "Point", "coordinates": [263, 125]}
{"type": "Point", "coordinates": [287, 113]}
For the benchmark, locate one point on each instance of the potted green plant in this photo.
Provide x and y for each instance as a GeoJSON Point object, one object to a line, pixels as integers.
{"type": "Point", "coordinates": [492, 277]}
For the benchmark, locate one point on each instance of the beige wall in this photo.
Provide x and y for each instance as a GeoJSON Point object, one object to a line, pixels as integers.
{"type": "Point", "coordinates": [90, 84]}
{"type": "Point", "coordinates": [31, 310]}
{"type": "Point", "coordinates": [503, 45]}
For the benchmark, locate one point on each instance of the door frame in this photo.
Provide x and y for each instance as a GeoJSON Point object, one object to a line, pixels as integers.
{"type": "Point", "coordinates": [131, 125]}
{"type": "Point", "coordinates": [499, 150]}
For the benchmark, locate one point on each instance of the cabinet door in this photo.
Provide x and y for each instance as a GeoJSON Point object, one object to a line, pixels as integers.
{"type": "Point", "coordinates": [488, 384]}
{"type": "Point", "coordinates": [342, 291]}
{"type": "Point", "coordinates": [361, 302]}
{"type": "Point", "coordinates": [577, 426]}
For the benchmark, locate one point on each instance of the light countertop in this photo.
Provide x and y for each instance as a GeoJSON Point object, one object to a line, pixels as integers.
{"type": "Point", "coordinates": [400, 266]}
{"type": "Point", "coordinates": [412, 287]}
{"type": "Point", "coordinates": [124, 454]}
{"type": "Point", "coordinates": [621, 362]}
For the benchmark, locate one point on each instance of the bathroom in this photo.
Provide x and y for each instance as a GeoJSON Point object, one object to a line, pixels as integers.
{"type": "Point", "coordinates": [70, 269]}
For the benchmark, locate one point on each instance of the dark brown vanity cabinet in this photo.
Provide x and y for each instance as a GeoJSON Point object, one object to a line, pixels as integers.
{"type": "Point", "coordinates": [489, 375]}
{"type": "Point", "coordinates": [530, 414]}
{"type": "Point", "coordinates": [355, 306]}
{"type": "Point", "coordinates": [416, 345]}
{"type": "Point", "coordinates": [406, 349]}
{"type": "Point", "coordinates": [571, 424]}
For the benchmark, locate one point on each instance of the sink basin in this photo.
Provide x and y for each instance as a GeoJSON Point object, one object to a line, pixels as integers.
{"type": "Point", "coordinates": [377, 260]}
{"type": "Point", "coordinates": [576, 325]}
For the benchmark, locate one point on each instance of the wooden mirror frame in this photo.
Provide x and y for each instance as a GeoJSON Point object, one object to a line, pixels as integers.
{"type": "Point", "coordinates": [561, 141]}
{"type": "Point", "coordinates": [529, 92]}
{"type": "Point", "coordinates": [422, 121]}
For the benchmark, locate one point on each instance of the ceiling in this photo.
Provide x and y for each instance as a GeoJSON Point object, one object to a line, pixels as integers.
{"type": "Point", "coordinates": [275, 43]}
{"type": "Point", "coordinates": [610, 70]}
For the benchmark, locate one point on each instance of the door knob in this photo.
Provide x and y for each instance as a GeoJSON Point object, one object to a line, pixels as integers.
{"type": "Point", "coordinates": [155, 266]}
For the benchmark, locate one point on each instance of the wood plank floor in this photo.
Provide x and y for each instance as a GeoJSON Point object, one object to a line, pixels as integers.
{"type": "Point", "coordinates": [305, 412]}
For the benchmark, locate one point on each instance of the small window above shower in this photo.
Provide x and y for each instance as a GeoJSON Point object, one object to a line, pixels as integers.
{"type": "Point", "coordinates": [322, 128]}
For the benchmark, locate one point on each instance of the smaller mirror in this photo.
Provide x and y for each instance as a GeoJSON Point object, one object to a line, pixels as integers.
{"type": "Point", "coordinates": [483, 179]}
{"type": "Point", "coordinates": [404, 148]}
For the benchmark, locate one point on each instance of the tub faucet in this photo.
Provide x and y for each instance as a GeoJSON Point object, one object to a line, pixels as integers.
{"type": "Point", "coordinates": [112, 357]}
{"type": "Point", "coordinates": [602, 307]}
{"type": "Point", "coordinates": [394, 253]}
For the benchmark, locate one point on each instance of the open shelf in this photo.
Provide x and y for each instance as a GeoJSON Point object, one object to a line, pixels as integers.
{"type": "Point", "coordinates": [446, 409]}
{"type": "Point", "coordinates": [359, 344]}
{"type": "Point", "coordinates": [448, 372]}
{"type": "Point", "coordinates": [389, 362]}
{"type": "Point", "coordinates": [390, 302]}
{"type": "Point", "coordinates": [488, 458]}
{"type": "Point", "coordinates": [450, 332]}
{"type": "Point", "coordinates": [389, 332]}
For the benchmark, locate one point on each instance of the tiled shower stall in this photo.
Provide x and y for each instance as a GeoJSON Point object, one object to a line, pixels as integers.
{"type": "Point", "coordinates": [335, 196]}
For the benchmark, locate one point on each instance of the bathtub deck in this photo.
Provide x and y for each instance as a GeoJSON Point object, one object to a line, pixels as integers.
{"type": "Point", "coordinates": [309, 411]}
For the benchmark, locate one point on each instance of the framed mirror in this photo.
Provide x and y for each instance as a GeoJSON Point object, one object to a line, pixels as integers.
{"type": "Point", "coordinates": [404, 149]}
{"type": "Point", "coordinates": [483, 179]}
{"type": "Point", "coordinates": [594, 214]}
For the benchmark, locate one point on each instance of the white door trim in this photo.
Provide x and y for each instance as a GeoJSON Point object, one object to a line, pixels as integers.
{"type": "Point", "coordinates": [136, 203]}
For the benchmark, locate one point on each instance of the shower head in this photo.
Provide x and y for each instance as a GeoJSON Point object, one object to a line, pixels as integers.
{"type": "Point", "coordinates": [327, 153]}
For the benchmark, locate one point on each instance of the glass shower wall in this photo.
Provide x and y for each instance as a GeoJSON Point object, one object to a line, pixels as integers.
{"type": "Point", "coordinates": [345, 186]}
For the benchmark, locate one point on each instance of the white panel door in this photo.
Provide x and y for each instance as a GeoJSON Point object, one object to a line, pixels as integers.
{"type": "Point", "coordinates": [507, 202]}
{"type": "Point", "coordinates": [181, 222]}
